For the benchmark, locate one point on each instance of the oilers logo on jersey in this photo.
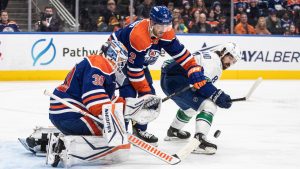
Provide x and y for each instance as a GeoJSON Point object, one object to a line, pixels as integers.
{"type": "Point", "coordinates": [151, 56]}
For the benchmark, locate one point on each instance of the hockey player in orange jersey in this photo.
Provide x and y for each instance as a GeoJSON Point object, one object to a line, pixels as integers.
{"type": "Point", "coordinates": [145, 39]}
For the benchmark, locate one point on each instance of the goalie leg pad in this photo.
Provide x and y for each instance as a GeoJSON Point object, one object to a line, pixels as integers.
{"type": "Point", "coordinates": [91, 150]}
{"type": "Point", "coordinates": [114, 124]}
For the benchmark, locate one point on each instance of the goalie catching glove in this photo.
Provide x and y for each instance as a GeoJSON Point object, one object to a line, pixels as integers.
{"type": "Point", "coordinates": [144, 109]}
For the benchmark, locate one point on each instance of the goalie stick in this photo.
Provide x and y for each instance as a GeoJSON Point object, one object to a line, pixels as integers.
{"type": "Point", "coordinates": [253, 87]}
{"type": "Point", "coordinates": [166, 157]}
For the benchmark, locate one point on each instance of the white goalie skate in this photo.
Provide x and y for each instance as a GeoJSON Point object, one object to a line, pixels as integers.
{"type": "Point", "coordinates": [55, 151]}
{"type": "Point", "coordinates": [37, 142]}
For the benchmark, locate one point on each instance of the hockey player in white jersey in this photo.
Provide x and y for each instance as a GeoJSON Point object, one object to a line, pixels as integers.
{"type": "Point", "coordinates": [203, 102]}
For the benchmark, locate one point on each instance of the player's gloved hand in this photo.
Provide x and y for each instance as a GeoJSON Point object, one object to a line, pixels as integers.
{"type": "Point", "coordinates": [221, 99]}
{"type": "Point", "coordinates": [143, 109]}
{"type": "Point", "coordinates": [196, 77]}
{"type": "Point", "coordinates": [152, 102]}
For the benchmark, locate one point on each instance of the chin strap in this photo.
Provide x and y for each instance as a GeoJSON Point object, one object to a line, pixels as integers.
{"type": "Point", "coordinates": [151, 31]}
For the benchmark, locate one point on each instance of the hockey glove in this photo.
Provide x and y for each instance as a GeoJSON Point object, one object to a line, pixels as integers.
{"type": "Point", "coordinates": [143, 109]}
{"type": "Point", "coordinates": [196, 77]}
{"type": "Point", "coordinates": [221, 99]}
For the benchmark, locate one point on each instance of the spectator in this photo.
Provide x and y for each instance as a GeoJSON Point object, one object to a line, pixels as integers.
{"type": "Point", "coordinates": [134, 17]}
{"type": "Point", "coordinates": [273, 23]}
{"type": "Point", "coordinates": [47, 22]}
{"type": "Point", "coordinates": [240, 8]}
{"type": "Point", "coordinates": [261, 27]}
{"type": "Point", "coordinates": [293, 3]}
{"type": "Point", "coordinates": [222, 27]}
{"type": "Point", "coordinates": [217, 10]}
{"type": "Point", "coordinates": [211, 20]}
{"type": "Point", "coordinates": [186, 12]}
{"type": "Point", "coordinates": [244, 3]}
{"type": "Point", "coordinates": [143, 10]}
{"type": "Point", "coordinates": [171, 6]}
{"type": "Point", "coordinates": [244, 27]}
{"type": "Point", "coordinates": [7, 25]}
{"type": "Point", "coordinates": [113, 24]}
{"type": "Point", "coordinates": [297, 21]}
{"type": "Point", "coordinates": [203, 26]}
{"type": "Point", "coordinates": [253, 12]}
{"type": "Point", "coordinates": [285, 20]}
{"type": "Point", "coordinates": [179, 27]}
{"type": "Point", "coordinates": [111, 12]}
{"type": "Point", "coordinates": [200, 5]}
{"type": "Point", "coordinates": [276, 4]}
{"type": "Point", "coordinates": [291, 30]}
{"type": "Point", "coordinates": [176, 13]}
{"type": "Point", "coordinates": [193, 24]}
{"type": "Point", "coordinates": [3, 4]}
{"type": "Point", "coordinates": [101, 25]}
{"type": "Point", "coordinates": [85, 21]}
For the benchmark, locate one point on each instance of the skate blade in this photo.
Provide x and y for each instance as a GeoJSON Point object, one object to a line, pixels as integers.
{"type": "Point", "coordinates": [23, 142]}
{"type": "Point", "coordinates": [167, 138]}
{"type": "Point", "coordinates": [207, 151]}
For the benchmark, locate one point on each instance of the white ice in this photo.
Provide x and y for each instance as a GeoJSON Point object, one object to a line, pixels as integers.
{"type": "Point", "coordinates": [262, 133]}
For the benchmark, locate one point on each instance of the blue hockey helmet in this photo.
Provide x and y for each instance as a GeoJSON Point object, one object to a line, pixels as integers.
{"type": "Point", "coordinates": [116, 52]}
{"type": "Point", "coordinates": [161, 15]}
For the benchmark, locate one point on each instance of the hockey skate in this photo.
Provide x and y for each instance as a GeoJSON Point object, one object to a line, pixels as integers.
{"type": "Point", "coordinates": [174, 134]}
{"type": "Point", "coordinates": [37, 142]}
{"type": "Point", "coordinates": [205, 147]}
{"type": "Point", "coordinates": [144, 135]}
{"type": "Point", "coordinates": [54, 152]}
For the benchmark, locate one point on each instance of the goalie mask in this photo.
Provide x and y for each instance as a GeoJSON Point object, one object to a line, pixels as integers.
{"type": "Point", "coordinates": [117, 53]}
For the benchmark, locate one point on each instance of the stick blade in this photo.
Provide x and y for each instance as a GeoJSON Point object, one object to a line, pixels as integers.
{"type": "Point", "coordinates": [188, 148]}
{"type": "Point", "coordinates": [254, 86]}
{"type": "Point", "coordinates": [154, 151]}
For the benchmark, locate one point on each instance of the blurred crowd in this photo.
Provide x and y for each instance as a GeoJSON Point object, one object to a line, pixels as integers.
{"type": "Point", "coordinates": [263, 17]}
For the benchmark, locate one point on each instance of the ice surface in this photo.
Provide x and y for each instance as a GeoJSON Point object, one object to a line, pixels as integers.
{"type": "Point", "coordinates": [263, 133]}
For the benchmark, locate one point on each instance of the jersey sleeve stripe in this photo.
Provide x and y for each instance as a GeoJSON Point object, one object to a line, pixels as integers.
{"type": "Point", "coordinates": [135, 74]}
{"type": "Point", "coordinates": [137, 80]}
{"type": "Point", "coordinates": [62, 111]}
{"type": "Point", "coordinates": [186, 60]}
{"type": "Point", "coordinates": [134, 69]}
{"type": "Point", "coordinates": [98, 96]}
{"type": "Point", "coordinates": [57, 106]}
{"type": "Point", "coordinates": [180, 54]}
{"type": "Point", "coordinates": [182, 58]}
{"type": "Point", "coordinates": [189, 63]}
{"type": "Point", "coordinates": [92, 92]}
{"type": "Point", "coordinates": [68, 100]}
{"type": "Point", "coordinates": [97, 102]}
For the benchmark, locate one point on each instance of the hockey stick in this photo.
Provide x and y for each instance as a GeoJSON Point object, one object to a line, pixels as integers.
{"type": "Point", "coordinates": [170, 159]}
{"type": "Point", "coordinates": [176, 93]}
{"type": "Point", "coordinates": [187, 149]}
{"type": "Point", "coordinates": [253, 87]}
